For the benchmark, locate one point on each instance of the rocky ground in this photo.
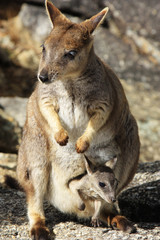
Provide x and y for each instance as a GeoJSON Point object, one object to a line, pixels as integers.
{"type": "Point", "coordinates": [129, 41]}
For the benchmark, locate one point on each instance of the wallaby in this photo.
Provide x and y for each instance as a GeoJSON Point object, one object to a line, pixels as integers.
{"type": "Point", "coordinates": [78, 106]}
{"type": "Point", "coordinates": [98, 184]}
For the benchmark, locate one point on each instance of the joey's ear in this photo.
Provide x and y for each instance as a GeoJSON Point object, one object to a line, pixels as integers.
{"type": "Point", "coordinates": [92, 23]}
{"type": "Point", "coordinates": [88, 165]}
{"type": "Point", "coordinates": [111, 163]}
{"type": "Point", "coordinates": [55, 16]}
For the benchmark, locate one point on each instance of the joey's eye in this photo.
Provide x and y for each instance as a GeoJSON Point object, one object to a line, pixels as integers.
{"type": "Point", "coordinates": [71, 54]}
{"type": "Point", "coordinates": [102, 185]}
{"type": "Point", "coordinates": [43, 48]}
{"type": "Point", "coordinates": [116, 183]}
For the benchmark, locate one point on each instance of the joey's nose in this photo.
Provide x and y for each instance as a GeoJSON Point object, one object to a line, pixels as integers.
{"type": "Point", "coordinates": [113, 199]}
{"type": "Point", "coordinates": [43, 77]}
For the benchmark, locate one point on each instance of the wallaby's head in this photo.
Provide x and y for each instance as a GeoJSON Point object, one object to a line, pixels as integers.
{"type": "Point", "coordinates": [66, 51]}
{"type": "Point", "coordinates": [102, 179]}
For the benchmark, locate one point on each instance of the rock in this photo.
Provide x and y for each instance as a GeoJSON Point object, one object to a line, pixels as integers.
{"type": "Point", "coordinates": [15, 107]}
{"type": "Point", "coordinates": [36, 21]}
{"type": "Point", "coordinates": [140, 16]}
{"type": "Point", "coordinates": [8, 164]}
{"type": "Point", "coordinates": [145, 108]}
{"type": "Point", "coordinates": [10, 133]}
{"type": "Point", "coordinates": [141, 202]}
{"type": "Point", "coordinates": [17, 81]}
{"type": "Point", "coordinates": [140, 26]}
{"type": "Point", "coordinates": [124, 60]}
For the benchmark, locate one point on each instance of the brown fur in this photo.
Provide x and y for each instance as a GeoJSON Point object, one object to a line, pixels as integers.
{"type": "Point", "coordinates": [78, 101]}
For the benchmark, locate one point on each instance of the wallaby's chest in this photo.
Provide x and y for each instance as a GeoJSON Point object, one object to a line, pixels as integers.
{"type": "Point", "coordinates": [72, 109]}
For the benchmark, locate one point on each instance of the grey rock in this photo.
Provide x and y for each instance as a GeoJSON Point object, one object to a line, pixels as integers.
{"type": "Point", "coordinates": [140, 16]}
{"type": "Point", "coordinates": [36, 21]}
{"type": "Point", "coordinates": [15, 107]}
{"type": "Point", "coordinates": [127, 63]}
{"type": "Point", "coordinates": [10, 133]}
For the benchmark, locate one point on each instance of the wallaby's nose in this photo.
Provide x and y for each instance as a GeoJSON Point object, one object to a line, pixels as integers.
{"type": "Point", "coordinates": [43, 77]}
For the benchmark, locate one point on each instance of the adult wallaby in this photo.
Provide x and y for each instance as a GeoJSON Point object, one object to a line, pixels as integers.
{"type": "Point", "coordinates": [98, 184]}
{"type": "Point", "coordinates": [77, 101]}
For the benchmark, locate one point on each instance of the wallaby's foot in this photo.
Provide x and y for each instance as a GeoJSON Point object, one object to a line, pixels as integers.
{"type": "Point", "coordinates": [82, 207]}
{"type": "Point", "coordinates": [61, 137]}
{"type": "Point", "coordinates": [122, 223]}
{"type": "Point", "coordinates": [82, 144]}
{"type": "Point", "coordinates": [40, 232]}
{"type": "Point", "coordinates": [95, 222]}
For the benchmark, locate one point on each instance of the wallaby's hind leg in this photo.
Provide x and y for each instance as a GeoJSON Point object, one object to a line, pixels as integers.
{"type": "Point", "coordinates": [116, 221]}
{"type": "Point", "coordinates": [38, 230]}
{"type": "Point", "coordinates": [33, 171]}
{"type": "Point", "coordinates": [121, 223]}
{"type": "Point", "coordinates": [35, 187]}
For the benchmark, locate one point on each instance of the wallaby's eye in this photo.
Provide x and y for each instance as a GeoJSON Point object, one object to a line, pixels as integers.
{"type": "Point", "coordinates": [71, 54]}
{"type": "Point", "coordinates": [43, 48]}
{"type": "Point", "coordinates": [102, 185]}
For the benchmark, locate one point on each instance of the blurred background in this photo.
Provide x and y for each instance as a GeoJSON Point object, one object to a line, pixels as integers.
{"type": "Point", "coordinates": [128, 40]}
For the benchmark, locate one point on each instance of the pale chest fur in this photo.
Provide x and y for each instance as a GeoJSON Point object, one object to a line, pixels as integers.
{"type": "Point", "coordinates": [72, 111]}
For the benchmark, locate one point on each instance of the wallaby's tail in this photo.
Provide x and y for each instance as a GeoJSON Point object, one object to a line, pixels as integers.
{"type": "Point", "coordinates": [12, 183]}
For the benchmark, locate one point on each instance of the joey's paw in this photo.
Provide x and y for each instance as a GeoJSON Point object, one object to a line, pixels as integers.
{"type": "Point", "coordinates": [123, 224]}
{"type": "Point", "coordinates": [61, 137]}
{"type": "Point", "coordinates": [82, 145]}
{"type": "Point", "coordinates": [40, 233]}
{"type": "Point", "coordinates": [81, 207]}
{"type": "Point", "coordinates": [95, 222]}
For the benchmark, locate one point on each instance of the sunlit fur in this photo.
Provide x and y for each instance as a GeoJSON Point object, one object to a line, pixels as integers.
{"type": "Point", "coordinates": [81, 107]}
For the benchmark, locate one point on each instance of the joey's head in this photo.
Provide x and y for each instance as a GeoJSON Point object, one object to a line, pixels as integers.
{"type": "Point", "coordinates": [66, 51]}
{"type": "Point", "coordinates": [102, 179]}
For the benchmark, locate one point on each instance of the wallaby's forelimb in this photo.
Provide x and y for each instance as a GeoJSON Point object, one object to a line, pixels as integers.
{"type": "Point", "coordinates": [95, 218]}
{"type": "Point", "coordinates": [74, 185]}
{"type": "Point", "coordinates": [49, 113]}
{"type": "Point", "coordinates": [97, 120]}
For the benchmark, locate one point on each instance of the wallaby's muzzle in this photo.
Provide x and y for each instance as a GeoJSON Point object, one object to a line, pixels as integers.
{"type": "Point", "coordinates": [43, 76]}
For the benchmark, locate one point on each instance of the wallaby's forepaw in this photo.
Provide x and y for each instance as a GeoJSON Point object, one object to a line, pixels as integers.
{"type": "Point", "coordinates": [61, 137]}
{"type": "Point", "coordinates": [82, 145]}
{"type": "Point", "coordinates": [81, 207]}
{"type": "Point", "coordinates": [40, 233]}
{"type": "Point", "coordinates": [122, 223]}
{"type": "Point", "coordinates": [95, 222]}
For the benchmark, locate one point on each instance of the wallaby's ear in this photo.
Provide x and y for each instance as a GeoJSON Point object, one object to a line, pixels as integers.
{"type": "Point", "coordinates": [55, 16]}
{"type": "Point", "coordinates": [111, 163]}
{"type": "Point", "coordinates": [88, 165]}
{"type": "Point", "coordinates": [92, 23]}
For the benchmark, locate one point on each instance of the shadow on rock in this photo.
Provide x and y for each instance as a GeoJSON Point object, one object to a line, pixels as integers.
{"type": "Point", "coordinates": [142, 203]}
